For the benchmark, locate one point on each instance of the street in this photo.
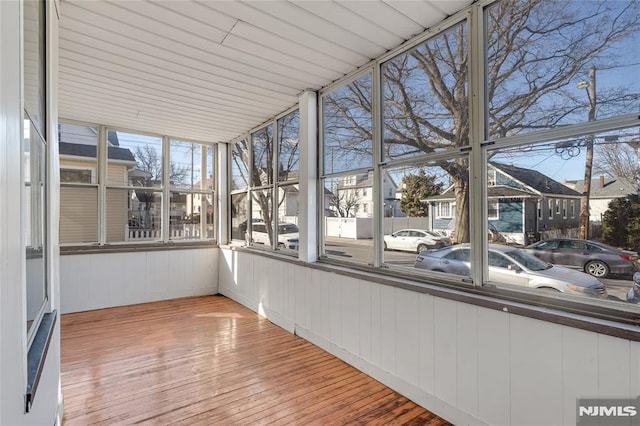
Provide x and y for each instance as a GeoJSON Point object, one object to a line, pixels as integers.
{"type": "Point", "coordinates": [362, 250]}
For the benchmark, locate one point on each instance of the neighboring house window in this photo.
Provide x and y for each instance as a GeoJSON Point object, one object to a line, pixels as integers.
{"type": "Point", "coordinates": [364, 208]}
{"type": "Point", "coordinates": [564, 209]}
{"type": "Point", "coordinates": [444, 209]}
{"type": "Point", "coordinates": [364, 192]}
{"type": "Point", "coordinates": [550, 209]}
{"type": "Point", "coordinates": [572, 209]}
{"type": "Point", "coordinates": [491, 177]}
{"type": "Point", "coordinates": [557, 206]}
{"type": "Point", "coordinates": [493, 209]}
{"type": "Point", "coordinates": [539, 208]}
{"type": "Point", "coordinates": [75, 175]}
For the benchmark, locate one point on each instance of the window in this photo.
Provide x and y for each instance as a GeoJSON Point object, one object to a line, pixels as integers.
{"type": "Point", "coordinates": [491, 177]}
{"type": "Point", "coordinates": [135, 187]}
{"type": "Point", "coordinates": [539, 208]}
{"type": "Point", "coordinates": [78, 148]}
{"type": "Point", "coordinates": [493, 211]}
{"type": "Point", "coordinates": [35, 154]}
{"type": "Point", "coordinates": [191, 178]}
{"type": "Point", "coordinates": [444, 209]}
{"type": "Point", "coordinates": [538, 119]}
{"type": "Point", "coordinates": [347, 159]}
{"type": "Point", "coordinates": [264, 207]}
{"type": "Point", "coordinates": [75, 175]}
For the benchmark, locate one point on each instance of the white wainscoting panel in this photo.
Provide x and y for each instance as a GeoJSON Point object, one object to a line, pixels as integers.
{"type": "Point", "coordinates": [470, 365]}
{"type": "Point", "coordinates": [102, 280]}
{"type": "Point", "coordinates": [536, 372]}
{"type": "Point", "coordinates": [494, 353]}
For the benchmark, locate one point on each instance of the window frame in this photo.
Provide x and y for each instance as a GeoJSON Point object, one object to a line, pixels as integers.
{"type": "Point", "coordinates": [103, 187]}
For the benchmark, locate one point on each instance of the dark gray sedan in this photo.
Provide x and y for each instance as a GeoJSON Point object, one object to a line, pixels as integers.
{"type": "Point", "coordinates": [509, 265]}
{"type": "Point", "coordinates": [592, 257]}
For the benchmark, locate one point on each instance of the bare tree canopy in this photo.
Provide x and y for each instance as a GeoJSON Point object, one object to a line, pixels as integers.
{"type": "Point", "coordinates": [536, 50]}
{"type": "Point", "coordinates": [149, 160]}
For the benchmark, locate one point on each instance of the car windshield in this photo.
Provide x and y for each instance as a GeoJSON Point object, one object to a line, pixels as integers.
{"type": "Point", "coordinates": [527, 260]}
{"type": "Point", "coordinates": [287, 229]}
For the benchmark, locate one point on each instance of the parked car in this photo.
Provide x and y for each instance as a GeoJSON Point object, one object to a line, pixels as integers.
{"type": "Point", "coordinates": [510, 265]}
{"type": "Point", "coordinates": [415, 240]}
{"type": "Point", "coordinates": [592, 257]}
{"type": "Point", "coordinates": [287, 235]}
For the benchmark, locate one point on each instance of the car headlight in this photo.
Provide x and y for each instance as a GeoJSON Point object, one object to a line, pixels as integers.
{"type": "Point", "coordinates": [581, 289]}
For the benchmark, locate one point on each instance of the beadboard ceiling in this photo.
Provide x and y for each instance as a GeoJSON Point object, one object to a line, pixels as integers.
{"type": "Point", "coordinates": [212, 70]}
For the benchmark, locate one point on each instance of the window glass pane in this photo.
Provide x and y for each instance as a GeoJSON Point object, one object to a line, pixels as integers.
{"type": "Point", "coordinates": [262, 146]}
{"type": "Point", "coordinates": [240, 165]}
{"type": "Point", "coordinates": [416, 220]}
{"type": "Point", "coordinates": [288, 210]}
{"type": "Point", "coordinates": [347, 126]}
{"type": "Point", "coordinates": [133, 215]}
{"type": "Point", "coordinates": [559, 62]}
{"type": "Point", "coordinates": [425, 97]}
{"type": "Point", "coordinates": [556, 171]}
{"type": "Point", "coordinates": [348, 230]}
{"type": "Point", "coordinates": [190, 165]}
{"type": "Point", "coordinates": [289, 146]}
{"type": "Point", "coordinates": [239, 216]}
{"type": "Point", "coordinates": [190, 216]}
{"type": "Point", "coordinates": [78, 153]}
{"type": "Point", "coordinates": [134, 159]}
{"type": "Point", "coordinates": [78, 214]}
{"type": "Point", "coordinates": [261, 218]}
{"type": "Point", "coordinates": [34, 152]}
{"type": "Point", "coordinates": [34, 62]}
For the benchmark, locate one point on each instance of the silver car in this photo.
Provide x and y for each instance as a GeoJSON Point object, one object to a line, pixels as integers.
{"type": "Point", "coordinates": [510, 265]}
{"type": "Point", "coordinates": [592, 257]}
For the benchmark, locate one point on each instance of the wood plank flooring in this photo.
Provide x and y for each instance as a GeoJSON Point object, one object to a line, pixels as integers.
{"type": "Point", "coordinates": [210, 361]}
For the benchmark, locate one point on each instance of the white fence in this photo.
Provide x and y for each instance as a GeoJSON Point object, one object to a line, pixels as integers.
{"type": "Point", "coordinates": [184, 232]}
{"type": "Point", "coordinates": [362, 227]}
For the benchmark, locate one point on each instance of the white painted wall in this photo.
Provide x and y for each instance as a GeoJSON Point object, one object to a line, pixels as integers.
{"type": "Point", "coordinates": [13, 345]}
{"type": "Point", "coordinates": [95, 281]}
{"type": "Point", "coordinates": [469, 364]}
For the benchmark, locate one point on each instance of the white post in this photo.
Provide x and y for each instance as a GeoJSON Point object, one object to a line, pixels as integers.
{"type": "Point", "coordinates": [222, 193]}
{"type": "Point", "coordinates": [308, 214]}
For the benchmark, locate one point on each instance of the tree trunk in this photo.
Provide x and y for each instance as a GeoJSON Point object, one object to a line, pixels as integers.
{"type": "Point", "coordinates": [461, 188]}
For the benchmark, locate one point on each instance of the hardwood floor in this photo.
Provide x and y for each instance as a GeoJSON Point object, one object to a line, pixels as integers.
{"type": "Point", "coordinates": [210, 361]}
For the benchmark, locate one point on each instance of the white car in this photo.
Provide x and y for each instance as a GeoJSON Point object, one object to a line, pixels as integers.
{"type": "Point", "coordinates": [287, 235]}
{"type": "Point", "coordinates": [415, 240]}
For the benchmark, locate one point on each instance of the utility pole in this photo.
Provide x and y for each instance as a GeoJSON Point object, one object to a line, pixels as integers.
{"type": "Point", "coordinates": [583, 223]}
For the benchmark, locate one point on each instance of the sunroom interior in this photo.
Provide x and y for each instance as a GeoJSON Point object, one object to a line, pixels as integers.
{"type": "Point", "coordinates": [372, 176]}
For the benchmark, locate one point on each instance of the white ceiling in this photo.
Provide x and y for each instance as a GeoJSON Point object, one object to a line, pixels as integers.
{"type": "Point", "coordinates": [212, 70]}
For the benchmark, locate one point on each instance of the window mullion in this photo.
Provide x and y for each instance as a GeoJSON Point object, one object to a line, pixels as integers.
{"type": "Point", "coordinates": [165, 179]}
{"type": "Point", "coordinates": [377, 190]}
{"type": "Point", "coordinates": [102, 153]}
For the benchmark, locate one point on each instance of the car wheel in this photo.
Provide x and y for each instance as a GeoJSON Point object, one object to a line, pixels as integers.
{"type": "Point", "coordinates": [385, 246]}
{"type": "Point", "coordinates": [597, 268]}
{"type": "Point", "coordinates": [422, 247]}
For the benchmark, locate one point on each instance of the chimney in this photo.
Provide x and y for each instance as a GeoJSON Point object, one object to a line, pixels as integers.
{"type": "Point", "coordinates": [601, 181]}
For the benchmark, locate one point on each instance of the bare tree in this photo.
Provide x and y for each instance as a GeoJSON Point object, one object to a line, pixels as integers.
{"type": "Point", "coordinates": [150, 161]}
{"type": "Point", "coordinates": [535, 51]}
{"type": "Point", "coordinates": [343, 202]}
{"type": "Point", "coordinates": [619, 160]}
